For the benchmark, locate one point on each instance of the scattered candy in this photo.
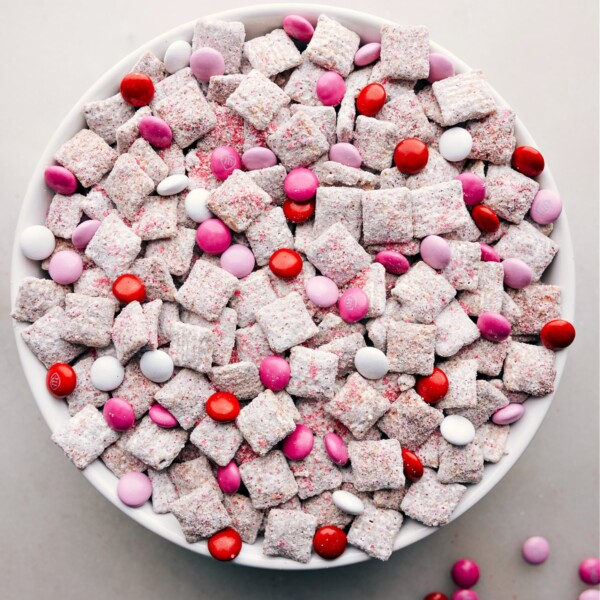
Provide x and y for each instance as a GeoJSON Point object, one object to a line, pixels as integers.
{"type": "Point", "coordinates": [509, 414]}
{"type": "Point", "coordinates": [488, 254]}
{"type": "Point", "coordinates": [329, 542]}
{"type": "Point", "coordinates": [298, 212]}
{"type": "Point", "coordinates": [336, 448]}
{"type": "Point", "coordinates": [238, 260]}
{"type": "Point", "coordinates": [348, 502]}
{"type": "Point", "coordinates": [435, 251]}
{"type": "Point", "coordinates": [107, 373]}
{"type": "Point", "coordinates": [137, 89]}
{"type": "Point", "coordinates": [557, 334]}
{"type": "Point", "coordinates": [353, 305]}
{"type": "Point", "coordinates": [433, 387]}
{"type": "Point", "coordinates": [411, 156]}
{"type": "Point", "coordinates": [299, 28]}
{"type": "Point", "coordinates": [155, 131]}
{"type": "Point", "coordinates": [485, 219]}
{"type": "Point", "coordinates": [61, 380]}
{"type": "Point", "coordinates": [528, 160]}
{"type": "Point", "coordinates": [371, 99]}
{"type": "Point", "coordinates": [589, 571]}
{"type": "Point", "coordinates": [213, 236]}
{"type": "Point", "coordinates": [285, 263]}
{"type": "Point", "coordinates": [196, 205]}
{"type": "Point", "coordinates": [473, 188]}
{"type": "Point", "coordinates": [223, 407]}
{"type": "Point", "coordinates": [258, 158]}
{"type": "Point", "coordinates": [119, 414]}
{"type": "Point", "coordinates": [394, 262]}
{"type": "Point", "coordinates": [229, 478]}
{"type": "Point", "coordinates": [225, 545]}
{"type": "Point", "coordinates": [274, 373]}
{"type": "Point", "coordinates": [60, 180]}
{"type": "Point", "coordinates": [134, 489]}
{"type": "Point", "coordinates": [371, 363]}
{"type": "Point", "coordinates": [174, 184]}
{"type": "Point", "coordinates": [129, 288]}
{"type": "Point", "coordinates": [65, 267]}
{"type": "Point", "coordinates": [322, 291]}
{"type": "Point", "coordinates": [157, 366]}
{"type": "Point", "coordinates": [455, 144]}
{"type": "Point", "coordinates": [517, 274]}
{"type": "Point", "coordinates": [37, 242]}
{"type": "Point", "coordinates": [465, 595]}
{"type": "Point", "coordinates": [413, 467]}
{"type": "Point", "coordinates": [536, 550]}
{"type": "Point", "coordinates": [457, 430]}
{"type": "Point", "coordinates": [300, 185]}
{"type": "Point", "coordinates": [367, 54]}
{"type": "Point", "coordinates": [224, 160]}
{"type": "Point", "coordinates": [84, 232]}
{"type": "Point", "coordinates": [206, 62]}
{"type": "Point", "coordinates": [440, 67]}
{"type": "Point", "coordinates": [331, 88]}
{"type": "Point", "coordinates": [465, 573]}
{"type": "Point", "coordinates": [546, 207]}
{"type": "Point", "coordinates": [494, 326]}
{"type": "Point", "coordinates": [298, 445]}
{"type": "Point", "coordinates": [162, 417]}
{"type": "Point", "coordinates": [177, 56]}
{"type": "Point", "coordinates": [345, 154]}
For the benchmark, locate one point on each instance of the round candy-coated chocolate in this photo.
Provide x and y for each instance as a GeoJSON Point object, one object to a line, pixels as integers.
{"type": "Point", "coordinates": [457, 430]}
{"type": "Point", "coordinates": [65, 267]}
{"type": "Point", "coordinates": [488, 254]}
{"type": "Point", "coordinates": [155, 131]}
{"type": "Point", "coordinates": [353, 305]}
{"type": "Point", "coordinates": [346, 154]}
{"type": "Point", "coordinates": [511, 413]}
{"type": "Point", "coordinates": [157, 366]}
{"type": "Point", "coordinates": [173, 184]}
{"type": "Point", "coordinates": [298, 28]}
{"type": "Point", "coordinates": [300, 184]}
{"type": "Point", "coordinates": [177, 56]}
{"type": "Point", "coordinates": [137, 89]}
{"type": "Point", "coordinates": [223, 407]}
{"type": "Point", "coordinates": [485, 218]}
{"type": "Point", "coordinates": [557, 334]}
{"type": "Point", "coordinates": [336, 448]}
{"type": "Point", "coordinates": [37, 242]}
{"type": "Point", "coordinates": [589, 595]}
{"type": "Point", "coordinates": [528, 160]}
{"type": "Point", "coordinates": [195, 205]}
{"type": "Point", "coordinates": [162, 417]}
{"type": "Point", "coordinates": [536, 550]}
{"type": "Point", "coordinates": [436, 596]}
{"type": "Point", "coordinates": [238, 260]}
{"type": "Point", "coordinates": [435, 251]}
{"type": "Point", "coordinates": [413, 467]}
{"type": "Point", "coordinates": [473, 188]}
{"type": "Point", "coordinates": [107, 373]}
{"type": "Point", "coordinates": [455, 144]}
{"type": "Point", "coordinates": [440, 67]}
{"type": "Point", "coordinates": [367, 54]}
{"type": "Point", "coordinates": [411, 156]}
{"type": "Point", "coordinates": [60, 180]}
{"type": "Point", "coordinates": [213, 236]}
{"type": "Point", "coordinates": [84, 232]}
{"type": "Point", "coordinates": [274, 373]}
{"type": "Point", "coordinates": [61, 380]}
{"type": "Point", "coordinates": [393, 262]}
{"type": "Point", "coordinates": [224, 160]}
{"type": "Point", "coordinates": [258, 158]}
{"type": "Point", "coordinates": [546, 207]}
{"type": "Point", "coordinates": [134, 489]}
{"type": "Point", "coordinates": [322, 291]}
{"type": "Point", "coordinates": [371, 363]}
{"type": "Point", "coordinates": [465, 573]}
{"type": "Point", "coordinates": [206, 62]}
{"type": "Point", "coordinates": [229, 478]}
{"type": "Point", "coordinates": [465, 595]}
{"type": "Point", "coordinates": [589, 571]}
{"type": "Point", "coordinates": [331, 88]}
{"type": "Point", "coordinates": [298, 212]}
{"type": "Point", "coordinates": [434, 387]}
{"type": "Point", "coordinates": [298, 444]}
{"type": "Point", "coordinates": [285, 263]}
{"type": "Point", "coordinates": [329, 542]}
{"type": "Point", "coordinates": [225, 545]}
{"type": "Point", "coordinates": [129, 288]}
{"type": "Point", "coordinates": [118, 414]}
{"type": "Point", "coordinates": [517, 274]}
{"type": "Point", "coordinates": [371, 99]}
{"type": "Point", "coordinates": [494, 326]}
{"type": "Point", "coordinates": [348, 502]}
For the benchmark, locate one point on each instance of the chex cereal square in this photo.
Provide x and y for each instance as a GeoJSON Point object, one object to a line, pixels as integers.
{"type": "Point", "coordinates": [104, 117]}
{"type": "Point", "coordinates": [289, 533]}
{"type": "Point", "coordinates": [405, 51]}
{"type": "Point", "coordinates": [191, 347]}
{"type": "Point", "coordinates": [375, 531]}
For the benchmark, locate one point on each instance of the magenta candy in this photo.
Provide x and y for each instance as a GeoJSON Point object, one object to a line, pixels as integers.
{"type": "Point", "coordinates": [346, 154]}
{"type": "Point", "coordinates": [336, 448]}
{"type": "Point", "coordinates": [118, 414]}
{"type": "Point", "coordinates": [238, 260]}
{"type": "Point", "coordinates": [465, 573]}
{"type": "Point", "coordinates": [493, 326]}
{"type": "Point", "coordinates": [60, 180]}
{"type": "Point", "coordinates": [300, 184]}
{"type": "Point", "coordinates": [465, 595]}
{"type": "Point", "coordinates": [274, 373]}
{"type": "Point", "coordinates": [224, 160]}
{"type": "Point", "coordinates": [589, 595]}
{"type": "Point", "coordinates": [546, 207]}
{"type": "Point", "coordinates": [206, 62]}
{"type": "Point", "coordinates": [517, 274]}
{"type": "Point", "coordinates": [353, 305]}
{"type": "Point", "coordinates": [509, 414]}
{"type": "Point", "coordinates": [435, 251]}
{"type": "Point", "coordinates": [589, 571]}
{"type": "Point", "coordinates": [84, 232]}
{"type": "Point", "coordinates": [331, 88]}
{"type": "Point", "coordinates": [229, 478]}
{"type": "Point", "coordinates": [488, 254]}
{"type": "Point", "coordinates": [394, 262]}
{"type": "Point", "coordinates": [473, 188]}
{"type": "Point", "coordinates": [536, 550]}
{"type": "Point", "coordinates": [299, 28]}
{"type": "Point", "coordinates": [298, 444]}
{"type": "Point", "coordinates": [155, 131]}
{"type": "Point", "coordinates": [65, 267]}
{"type": "Point", "coordinates": [213, 236]}
{"type": "Point", "coordinates": [134, 489]}
{"type": "Point", "coordinates": [162, 417]}
{"type": "Point", "coordinates": [258, 158]}
{"type": "Point", "coordinates": [367, 54]}
{"type": "Point", "coordinates": [440, 67]}
{"type": "Point", "coordinates": [322, 291]}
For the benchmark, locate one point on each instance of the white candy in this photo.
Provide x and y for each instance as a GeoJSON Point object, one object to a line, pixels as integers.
{"type": "Point", "coordinates": [172, 185]}
{"type": "Point", "coordinates": [348, 502]}
{"type": "Point", "coordinates": [156, 365]}
{"type": "Point", "coordinates": [195, 205]}
{"type": "Point", "coordinates": [107, 373]}
{"type": "Point", "coordinates": [37, 242]}
{"type": "Point", "coordinates": [457, 430]}
{"type": "Point", "coordinates": [371, 363]}
{"type": "Point", "coordinates": [455, 144]}
{"type": "Point", "coordinates": [177, 56]}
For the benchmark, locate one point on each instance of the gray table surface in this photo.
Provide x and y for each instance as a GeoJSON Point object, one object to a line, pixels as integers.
{"type": "Point", "coordinates": [59, 539]}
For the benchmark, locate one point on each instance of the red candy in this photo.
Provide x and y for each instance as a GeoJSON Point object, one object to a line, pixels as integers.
{"type": "Point", "coordinates": [225, 545]}
{"type": "Point", "coordinates": [433, 387]}
{"type": "Point", "coordinates": [137, 89]}
{"type": "Point", "coordinates": [61, 380]}
{"type": "Point", "coordinates": [127, 288]}
{"type": "Point", "coordinates": [298, 212]}
{"type": "Point", "coordinates": [329, 542]}
{"type": "Point", "coordinates": [485, 218]}
{"type": "Point", "coordinates": [557, 334]}
{"type": "Point", "coordinates": [413, 468]}
{"type": "Point", "coordinates": [223, 406]}
{"type": "Point", "coordinates": [371, 99]}
{"type": "Point", "coordinates": [528, 160]}
{"type": "Point", "coordinates": [436, 596]}
{"type": "Point", "coordinates": [285, 263]}
{"type": "Point", "coordinates": [411, 156]}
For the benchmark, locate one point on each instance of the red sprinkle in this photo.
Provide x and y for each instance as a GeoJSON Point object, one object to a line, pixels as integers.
{"type": "Point", "coordinates": [433, 387]}
{"type": "Point", "coordinates": [528, 160]}
{"type": "Point", "coordinates": [329, 542]}
{"type": "Point", "coordinates": [411, 156]}
{"type": "Point", "coordinates": [557, 334]}
{"type": "Point", "coordinates": [413, 468]}
{"type": "Point", "coordinates": [285, 263]}
{"type": "Point", "coordinates": [61, 380]}
{"type": "Point", "coordinates": [223, 407]}
{"type": "Point", "coordinates": [298, 212]}
{"type": "Point", "coordinates": [225, 545]}
{"type": "Point", "coordinates": [371, 99]}
{"type": "Point", "coordinates": [485, 218]}
{"type": "Point", "coordinates": [137, 89]}
{"type": "Point", "coordinates": [128, 287]}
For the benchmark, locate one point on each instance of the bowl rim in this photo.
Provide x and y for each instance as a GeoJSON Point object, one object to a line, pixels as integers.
{"type": "Point", "coordinates": [54, 415]}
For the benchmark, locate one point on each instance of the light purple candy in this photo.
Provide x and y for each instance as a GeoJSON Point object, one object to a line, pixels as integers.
{"type": "Point", "coordinates": [60, 180]}
{"type": "Point", "coordinates": [84, 232]}
{"type": "Point", "coordinates": [299, 28]}
{"type": "Point", "coordinates": [509, 414]}
{"type": "Point", "coordinates": [274, 373]}
{"type": "Point", "coordinates": [155, 131]}
{"type": "Point", "coordinates": [536, 550]}
{"type": "Point", "coordinates": [367, 54]}
{"type": "Point", "coordinates": [162, 417]}
{"type": "Point", "coordinates": [336, 448]}
{"type": "Point", "coordinates": [206, 62]}
{"type": "Point", "coordinates": [435, 251]}
{"type": "Point", "coordinates": [589, 571]}
{"type": "Point", "coordinates": [465, 595]}
{"type": "Point", "coordinates": [65, 267]}
{"type": "Point", "coordinates": [238, 260]}
{"type": "Point", "coordinates": [258, 158]}
{"type": "Point", "coordinates": [346, 154]}
{"type": "Point", "coordinates": [300, 184]}
{"type": "Point", "coordinates": [589, 595]}
{"type": "Point", "coordinates": [440, 67]}
{"type": "Point", "coordinates": [224, 160]}
{"type": "Point", "coordinates": [353, 305]}
{"type": "Point", "coordinates": [134, 489]}
{"type": "Point", "coordinates": [331, 88]}
{"type": "Point", "coordinates": [394, 262]}
{"type": "Point", "coordinates": [298, 444]}
{"type": "Point", "coordinates": [493, 326]}
{"type": "Point", "coordinates": [473, 188]}
{"type": "Point", "coordinates": [322, 291]}
{"type": "Point", "coordinates": [213, 236]}
{"type": "Point", "coordinates": [546, 207]}
{"type": "Point", "coordinates": [517, 274]}
{"type": "Point", "coordinates": [229, 478]}
{"type": "Point", "coordinates": [488, 254]}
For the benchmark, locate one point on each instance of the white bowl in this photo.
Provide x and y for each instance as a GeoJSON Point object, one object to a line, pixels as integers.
{"type": "Point", "coordinates": [259, 20]}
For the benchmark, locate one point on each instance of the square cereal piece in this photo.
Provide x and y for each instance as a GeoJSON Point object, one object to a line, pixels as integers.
{"type": "Point", "coordinates": [207, 290]}
{"type": "Point", "coordinates": [137, 389]}
{"type": "Point", "coordinates": [176, 252]}
{"type": "Point", "coordinates": [345, 348]}
{"type": "Point", "coordinates": [252, 344]}
{"type": "Point", "coordinates": [185, 396]}
{"type": "Point", "coordinates": [388, 499]}
{"type": "Point", "coordinates": [391, 178]}
{"type": "Point", "coordinates": [411, 347]}
{"type": "Point", "coordinates": [375, 140]}
{"type": "Point", "coordinates": [289, 533]}
{"type": "Point", "coordinates": [376, 465]}
{"type": "Point", "coordinates": [238, 201]}
{"type": "Point", "coordinates": [129, 131]}
{"type": "Point", "coordinates": [493, 137]}
{"type": "Point", "coordinates": [245, 519]}
{"type": "Point", "coordinates": [302, 84]}
{"type": "Point", "coordinates": [85, 393]}
{"type": "Point", "coordinates": [509, 193]}
{"type": "Point", "coordinates": [489, 355]}
{"type": "Point", "coordinates": [337, 254]}
{"type": "Point", "coordinates": [191, 347]}
{"type": "Point", "coordinates": [64, 214]}
{"type": "Point", "coordinates": [156, 219]}
{"type": "Point", "coordinates": [464, 97]}
{"type": "Point", "coordinates": [257, 99]}
{"type": "Point", "coordinates": [114, 246]}
{"type": "Point", "coordinates": [431, 502]}
{"type": "Point", "coordinates": [437, 171]}
{"type": "Point", "coordinates": [323, 116]}
{"type": "Point", "coordinates": [152, 312]}
{"type": "Point", "coordinates": [36, 297]}
{"type": "Point", "coordinates": [410, 420]}
{"type": "Point", "coordinates": [87, 156]}
{"type": "Point", "coordinates": [463, 270]}
{"type": "Point", "coordinates": [104, 117]}
{"type": "Point", "coordinates": [375, 531]}
{"type": "Point", "coordinates": [89, 320]}
{"type": "Point", "coordinates": [462, 384]}
{"type": "Point", "coordinates": [333, 46]}
{"type": "Point", "coordinates": [44, 339]}
{"type": "Point", "coordinates": [163, 491]}
{"type": "Point", "coordinates": [97, 205]}
{"type": "Point", "coordinates": [269, 480]}
{"type": "Point", "coordinates": [240, 379]}
{"type": "Point", "coordinates": [430, 105]}
{"type": "Point", "coordinates": [338, 205]}
{"type": "Point", "coordinates": [335, 174]}
{"type": "Point", "coordinates": [526, 242]}
{"type": "Point", "coordinates": [325, 511]}
{"type": "Point", "coordinates": [298, 142]}
{"type": "Point", "coordinates": [154, 272]}
{"type": "Point", "coordinates": [119, 461]}
{"type": "Point", "coordinates": [169, 85]}
{"type": "Point", "coordinates": [387, 216]}
{"type": "Point", "coordinates": [154, 445]}
{"type": "Point", "coordinates": [454, 330]}
{"type": "Point", "coordinates": [173, 157]}
{"type": "Point", "coordinates": [225, 36]}
{"type": "Point", "coordinates": [229, 131]}
{"type": "Point", "coordinates": [313, 373]}
{"type": "Point", "coordinates": [510, 310]}
{"type": "Point", "coordinates": [405, 51]}
{"type": "Point", "coordinates": [491, 438]}
{"type": "Point", "coordinates": [85, 436]}
{"type": "Point", "coordinates": [194, 472]}
{"type": "Point", "coordinates": [272, 53]}
{"type": "Point", "coordinates": [489, 293]}
{"type": "Point", "coordinates": [460, 464]}
{"type": "Point", "coordinates": [408, 115]}
{"type": "Point", "coordinates": [219, 441]}
{"type": "Point", "coordinates": [286, 322]}
{"type": "Point", "coordinates": [152, 66]}
{"type": "Point", "coordinates": [358, 405]}
{"type": "Point", "coordinates": [223, 330]}
{"type": "Point", "coordinates": [220, 87]}
{"type": "Point", "coordinates": [271, 180]}
{"type": "Point", "coordinates": [529, 369]}
{"type": "Point", "coordinates": [129, 331]}
{"type": "Point", "coordinates": [187, 113]}
{"type": "Point", "coordinates": [392, 384]}
{"type": "Point", "coordinates": [489, 400]}
{"type": "Point", "coordinates": [169, 314]}
{"type": "Point", "coordinates": [267, 420]}
{"type": "Point", "coordinates": [538, 304]}
{"type": "Point", "coordinates": [148, 160]}
{"type": "Point", "coordinates": [429, 451]}
{"type": "Point", "coordinates": [267, 233]}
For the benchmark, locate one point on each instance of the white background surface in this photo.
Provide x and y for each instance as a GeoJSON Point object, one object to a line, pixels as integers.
{"type": "Point", "coordinates": [59, 539]}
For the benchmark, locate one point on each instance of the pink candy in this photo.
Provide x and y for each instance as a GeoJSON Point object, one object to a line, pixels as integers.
{"type": "Point", "coordinates": [336, 448]}
{"type": "Point", "coordinates": [353, 305]}
{"type": "Point", "coordinates": [258, 158]}
{"type": "Point", "coordinates": [229, 478]}
{"type": "Point", "coordinates": [65, 267]}
{"type": "Point", "coordinates": [465, 573]}
{"type": "Point", "coordinates": [435, 251]}
{"type": "Point", "coordinates": [473, 188]}
{"type": "Point", "coordinates": [488, 254]}
{"type": "Point", "coordinates": [134, 489]}
{"type": "Point", "coordinates": [546, 207]}
{"type": "Point", "coordinates": [517, 274]}
{"type": "Point", "coordinates": [155, 131]}
{"type": "Point", "coordinates": [206, 62]}
{"type": "Point", "coordinates": [440, 67]}
{"type": "Point", "coordinates": [162, 417]}
{"type": "Point", "coordinates": [60, 180]}
{"type": "Point", "coordinates": [509, 414]}
{"type": "Point", "coordinates": [589, 571]}
{"type": "Point", "coordinates": [493, 326]}
{"type": "Point", "coordinates": [298, 444]}
{"type": "Point", "coordinates": [224, 160]}
{"type": "Point", "coordinates": [300, 184]}
{"type": "Point", "coordinates": [367, 54]}
{"type": "Point", "coordinates": [238, 260]}
{"type": "Point", "coordinates": [394, 262]}
{"type": "Point", "coordinates": [298, 27]}
{"type": "Point", "coordinates": [589, 595]}
{"type": "Point", "coordinates": [322, 291]}
{"type": "Point", "coordinates": [84, 232]}
{"type": "Point", "coordinates": [536, 550]}
{"type": "Point", "coordinates": [465, 595]}
{"type": "Point", "coordinates": [118, 414]}
{"type": "Point", "coordinates": [213, 236]}
{"type": "Point", "coordinates": [274, 373]}
{"type": "Point", "coordinates": [346, 154]}
{"type": "Point", "coordinates": [331, 88]}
